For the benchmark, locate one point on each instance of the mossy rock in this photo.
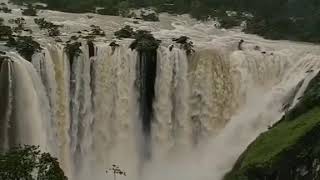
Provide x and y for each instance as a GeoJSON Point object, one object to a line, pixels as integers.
{"type": "Point", "coordinates": [150, 17]}
{"type": "Point", "coordinates": [30, 11]}
{"type": "Point", "coordinates": [144, 41]}
{"type": "Point", "coordinates": [185, 43]}
{"type": "Point", "coordinates": [96, 31]}
{"type": "Point", "coordinates": [125, 32]}
{"type": "Point", "coordinates": [73, 49]}
{"type": "Point", "coordinates": [25, 45]}
{"type": "Point", "coordinates": [5, 32]}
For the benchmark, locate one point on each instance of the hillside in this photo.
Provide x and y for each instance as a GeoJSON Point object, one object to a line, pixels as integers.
{"type": "Point", "coordinates": [289, 150]}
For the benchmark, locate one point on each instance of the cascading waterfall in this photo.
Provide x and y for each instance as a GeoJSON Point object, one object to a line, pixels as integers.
{"type": "Point", "coordinates": [159, 115]}
{"type": "Point", "coordinates": [6, 90]}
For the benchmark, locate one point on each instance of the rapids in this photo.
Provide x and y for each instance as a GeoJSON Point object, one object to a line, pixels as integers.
{"type": "Point", "coordinates": [205, 109]}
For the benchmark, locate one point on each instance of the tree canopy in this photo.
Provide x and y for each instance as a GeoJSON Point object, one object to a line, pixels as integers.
{"type": "Point", "coordinates": [29, 163]}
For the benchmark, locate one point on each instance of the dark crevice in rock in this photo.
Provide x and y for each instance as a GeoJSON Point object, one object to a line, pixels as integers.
{"type": "Point", "coordinates": [147, 65]}
{"type": "Point", "coordinates": [91, 49]}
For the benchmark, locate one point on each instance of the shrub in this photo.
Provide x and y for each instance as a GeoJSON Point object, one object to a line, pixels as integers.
{"type": "Point", "coordinates": [96, 31]}
{"type": "Point", "coordinates": [73, 49]}
{"type": "Point", "coordinates": [28, 162]}
{"type": "Point", "coordinates": [144, 41]}
{"type": "Point", "coordinates": [25, 45]}
{"type": "Point", "coordinates": [185, 43]}
{"type": "Point", "coordinates": [126, 32]}
{"type": "Point", "coordinates": [5, 32]}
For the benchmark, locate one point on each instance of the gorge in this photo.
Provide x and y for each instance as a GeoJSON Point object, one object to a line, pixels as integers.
{"type": "Point", "coordinates": [159, 114]}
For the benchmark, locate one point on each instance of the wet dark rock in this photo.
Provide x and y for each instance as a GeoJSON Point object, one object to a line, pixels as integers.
{"type": "Point", "coordinates": [20, 22]}
{"type": "Point", "coordinates": [88, 37]}
{"type": "Point", "coordinates": [240, 44]}
{"type": "Point", "coordinates": [74, 38]}
{"type": "Point", "coordinates": [73, 49]}
{"type": "Point", "coordinates": [43, 24]}
{"type": "Point", "coordinates": [30, 11]}
{"type": "Point", "coordinates": [54, 32]}
{"type": "Point", "coordinates": [53, 29]}
{"type": "Point", "coordinates": [57, 39]}
{"type": "Point", "coordinates": [146, 77]}
{"type": "Point", "coordinates": [25, 45]}
{"type": "Point", "coordinates": [2, 53]}
{"type": "Point", "coordinates": [28, 30]}
{"type": "Point", "coordinates": [181, 39]}
{"type": "Point", "coordinates": [114, 44]}
{"type": "Point", "coordinates": [257, 48]}
{"type": "Point", "coordinates": [125, 32]}
{"type": "Point", "coordinates": [5, 10]}
{"type": "Point", "coordinates": [310, 71]}
{"type": "Point", "coordinates": [185, 43]}
{"type": "Point", "coordinates": [96, 31]}
{"type": "Point", "coordinates": [150, 16]}
{"type": "Point", "coordinates": [171, 47]}
{"type": "Point", "coordinates": [144, 41]}
{"type": "Point", "coordinates": [91, 48]}
{"type": "Point", "coordinates": [5, 32]}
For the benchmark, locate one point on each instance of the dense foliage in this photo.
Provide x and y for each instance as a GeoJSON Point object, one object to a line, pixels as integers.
{"type": "Point", "coordinates": [144, 41]}
{"type": "Point", "coordinates": [25, 45]}
{"type": "Point", "coordinates": [30, 163]}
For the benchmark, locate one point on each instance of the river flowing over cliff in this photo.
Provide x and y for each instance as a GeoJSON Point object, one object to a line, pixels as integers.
{"type": "Point", "coordinates": [162, 115]}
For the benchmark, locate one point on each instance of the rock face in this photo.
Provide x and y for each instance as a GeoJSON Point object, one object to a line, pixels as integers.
{"type": "Point", "coordinates": [288, 151]}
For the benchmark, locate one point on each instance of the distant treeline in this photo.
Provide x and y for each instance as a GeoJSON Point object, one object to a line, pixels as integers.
{"type": "Point", "coordinates": [275, 19]}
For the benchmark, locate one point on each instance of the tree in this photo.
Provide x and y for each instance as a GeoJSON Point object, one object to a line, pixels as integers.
{"type": "Point", "coordinates": [28, 163]}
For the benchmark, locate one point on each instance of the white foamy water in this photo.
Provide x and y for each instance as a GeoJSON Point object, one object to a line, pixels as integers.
{"type": "Point", "coordinates": [207, 108]}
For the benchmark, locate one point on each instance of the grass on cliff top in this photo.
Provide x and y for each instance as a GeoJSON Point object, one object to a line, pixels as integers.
{"type": "Point", "coordinates": [280, 138]}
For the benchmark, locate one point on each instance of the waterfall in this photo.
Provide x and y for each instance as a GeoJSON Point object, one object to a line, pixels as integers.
{"type": "Point", "coordinates": [6, 103]}
{"type": "Point", "coordinates": [158, 115]}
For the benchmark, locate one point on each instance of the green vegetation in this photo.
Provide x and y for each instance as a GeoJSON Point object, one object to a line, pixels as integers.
{"type": "Point", "coordinates": [96, 31]}
{"type": "Point", "coordinates": [5, 32]}
{"type": "Point", "coordinates": [25, 45]}
{"type": "Point", "coordinates": [28, 162]}
{"type": "Point", "coordinates": [266, 149]}
{"type": "Point", "coordinates": [73, 50]}
{"type": "Point", "coordinates": [290, 144]}
{"type": "Point", "coordinates": [125, 32]}
{"type": "Point", "coordinates": [53, 29]}
{"type": "Point", "coordinates": [144, 41]}
{"type": "Point", "coordinates": [185, 44]}
{"type": "Point", "coordinates": [283, 147]}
